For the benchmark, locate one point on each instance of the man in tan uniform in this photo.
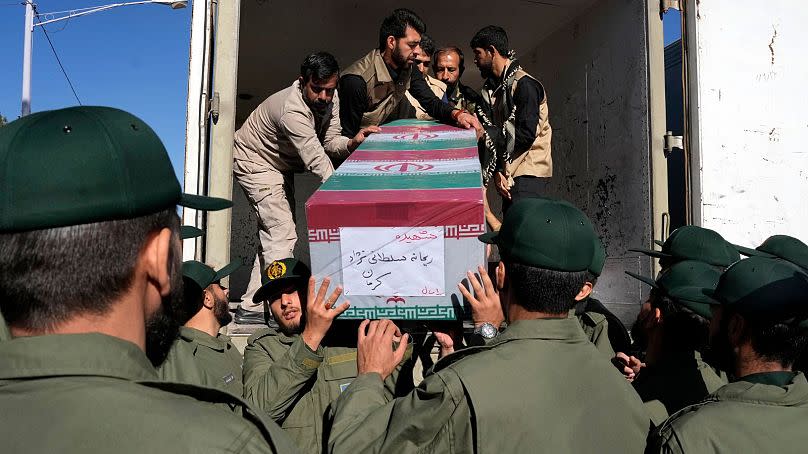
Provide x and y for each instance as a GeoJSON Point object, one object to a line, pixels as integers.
{"type": "Point", "coordinates": [295, 130]}
{"type": "Point", "coordinates": [439, 88]}
{"type": "Point", "coordinates": [374, 86]}
{"type": "Point", "coordinates": [515, 116]}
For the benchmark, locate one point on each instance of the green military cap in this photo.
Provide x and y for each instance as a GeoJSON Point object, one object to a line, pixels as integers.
{"type": "Point", "coordinates": [188, 232]}
{"type": "Point", "coordinates": [763, 288]}
{"type": "Point", "coordinates": [783, 247]}
{"type": "Point", "coordinates": [544, 233]}
{"type": "Point", "coordinates": [203, 275]}
{"type": "Point", "coordinates": [598, 258]}
{"type": "Point", "coordinates": [85, 164]}
{"type": "Point", "coordinates": [279, 275]}
{"type": "Point", "coordinates": [684, 283]}
{"type": "Point", "coordinates": [691, 242]}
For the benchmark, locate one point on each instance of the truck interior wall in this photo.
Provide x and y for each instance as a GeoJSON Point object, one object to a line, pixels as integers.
{"type": "Point", "coordinates": [593, 66]}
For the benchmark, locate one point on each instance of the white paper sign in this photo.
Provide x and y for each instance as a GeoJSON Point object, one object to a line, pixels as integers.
{"type": "Point", "coordinates": [392, 261]}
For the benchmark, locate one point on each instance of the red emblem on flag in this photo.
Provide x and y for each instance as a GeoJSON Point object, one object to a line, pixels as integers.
{"type": "Point", "coordinates": [404, 167]}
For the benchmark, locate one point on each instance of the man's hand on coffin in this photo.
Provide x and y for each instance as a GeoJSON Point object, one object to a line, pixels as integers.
{"type": "Point", "coordinates": [485, 305]}
{"type": "Point", "coordinates": [468, 120]}
{"type": "Point", "coordinates": [320, 313]}
{"type": "Point", "coordinates": [501, 182]}
{"type": "Point", "coordinates": [361, 136]}
{"type": "Point", "coordinates": [375, 352]}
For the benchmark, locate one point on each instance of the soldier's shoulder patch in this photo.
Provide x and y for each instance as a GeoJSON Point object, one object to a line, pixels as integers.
{"type": "Point", "coordinates": [276, 269]}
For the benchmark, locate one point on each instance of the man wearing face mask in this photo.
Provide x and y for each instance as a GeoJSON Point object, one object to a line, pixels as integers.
{"type": "Point", "coordinates": [374, 87]}
{"type": "Point", "coordinates": [91, 289]}
{"type": "Point", "coordinates": [295, 130]}
{"type": "Point", "coordinates": [201, 355]}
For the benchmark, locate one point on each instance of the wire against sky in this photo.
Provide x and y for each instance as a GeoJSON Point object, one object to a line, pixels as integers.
{"type": "Point", "coordinates": [58, 60]}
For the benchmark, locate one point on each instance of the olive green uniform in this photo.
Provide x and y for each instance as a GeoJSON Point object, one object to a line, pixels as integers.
{"type": "Point", "coordinates": [93, 393]}
{"type": "Point", "coordinates": [4, 333]}
{"type": "Point", "coordinates": [294, 385]}
{"type": "Point", "coordinates": [596, 328]}
{"type": "Point", "coordinates": [681, 380]}
{"type": "Point", "coordinates": [764, 412]}
{"type": "Point", "coordinates": [538, 386]}
{"type": "Point", "coordinates": [201, 359]}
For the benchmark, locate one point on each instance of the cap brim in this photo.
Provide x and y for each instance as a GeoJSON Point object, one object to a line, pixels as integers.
{"type": "Point", "coordinates": [188, 231]}
{"type": "Point", "coordinates": [645, 279]}
{"type": "Point", "coordinates": [749, 252]}
{"type": "Point", "coordinates": [659, 242]}
{"type": "Point", "coordinates": [710, 294]}
{"type": "Point", "coordinates": [652, 253]}
{"type": "Point", "coordinates": [204, 203]}
{"type": "Point", "coordinates": [228, 269]}
{"type": "Point", "coordinates": [270, 289]}
{"type": "Point", "coordinates": [490, 237]}
{"type": "Point", "coordinates": [695, 295]}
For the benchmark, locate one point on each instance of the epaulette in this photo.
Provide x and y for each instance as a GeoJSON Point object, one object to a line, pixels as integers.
{"type": "Point", "coordinates": [260, 334]}
{"type": "Point", "coordinates": [456, 356]}
{"type": "Point", "coordinates": [593, 318]}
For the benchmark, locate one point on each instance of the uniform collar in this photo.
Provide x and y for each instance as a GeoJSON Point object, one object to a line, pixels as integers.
{"type": "Point", "coordinates": [762, 389]}
{"type": "Point", "coordinates": [218, 343]}
{"type": "Point", "coordinates": [781, 378]}
{"type": "Point", "coordinates": [382, 73]}
{"type": "Point", "coordinates": [90, 354]}
{"type": "Point", "coordinates": [568, 329]}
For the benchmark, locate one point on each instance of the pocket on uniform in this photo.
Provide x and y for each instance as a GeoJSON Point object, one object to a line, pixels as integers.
{"type": "Point", "coordinates": [339, 372]}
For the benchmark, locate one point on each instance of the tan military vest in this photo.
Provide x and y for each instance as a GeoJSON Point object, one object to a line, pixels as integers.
{"type": "Point", "coordinates": [537, 160]}
{"type": "Point", "coordinates": [384, 94]}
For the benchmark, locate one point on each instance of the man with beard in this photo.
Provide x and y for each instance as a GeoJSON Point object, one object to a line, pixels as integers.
{"type": "Point", "coordinates": [90, 288]}
{"type": "Point", "coordinates": [757, 307]}
{"type": "Point", "coordinates": [294, 373]}
{"type": "Point", "coordinates": [672, 328]}
{"type": "Point", "coordinates": [295, 130]}
{"type": "Point", "coordinates": [449, 66]}
{"type": "Point", "coordinates": [523, 390]}
{"type": "Point", "coordinates": [373, 87]}
{"type": "Point", "coordinates": [515, 117]}
{"type": "Point", "coordinates": [201, 355]}
{"type": "Point", "coordinates": [412, 106]}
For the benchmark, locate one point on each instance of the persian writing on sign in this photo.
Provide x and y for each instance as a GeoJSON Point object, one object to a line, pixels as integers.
{"type": "Point", "coordinates": [390, 261]}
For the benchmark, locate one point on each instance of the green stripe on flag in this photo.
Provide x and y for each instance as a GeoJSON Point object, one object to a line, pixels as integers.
{"type": "Point", "coordinates": [339, 182]}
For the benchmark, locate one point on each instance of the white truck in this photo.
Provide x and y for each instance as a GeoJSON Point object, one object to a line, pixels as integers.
{"type": "Point", "coordinates": [745, 88]}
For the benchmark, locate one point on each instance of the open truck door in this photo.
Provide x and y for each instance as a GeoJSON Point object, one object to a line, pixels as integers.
{"type": "Point", "coordinates": [746, 126]}
{"type": "Point", "coordinates": [601, 63]}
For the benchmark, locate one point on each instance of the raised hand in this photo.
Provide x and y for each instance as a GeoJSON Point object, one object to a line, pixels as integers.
{"type": "Point", "coordinates": [375, 347]}
{"type": "Point", "coordinates": [320, 313]}
{"type": "Point", "coordinates": [485, 305]}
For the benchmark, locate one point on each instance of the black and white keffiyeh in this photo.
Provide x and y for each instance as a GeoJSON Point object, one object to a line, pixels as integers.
{"type": "Point", "coordinates": [498, 140]}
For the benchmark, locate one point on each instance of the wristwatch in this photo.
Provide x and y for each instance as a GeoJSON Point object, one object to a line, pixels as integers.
{"type": "Point", "coordinates": [487, 331]}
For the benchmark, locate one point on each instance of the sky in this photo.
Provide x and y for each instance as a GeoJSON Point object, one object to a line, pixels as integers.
{"type": "Point", "coordinates": [134, 58]}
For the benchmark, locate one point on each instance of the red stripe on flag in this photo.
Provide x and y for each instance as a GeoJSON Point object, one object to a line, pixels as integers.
{"type": "Point", "coordinates": [419, 128]}
{"type": "Point", "coordinates": [334, 209]}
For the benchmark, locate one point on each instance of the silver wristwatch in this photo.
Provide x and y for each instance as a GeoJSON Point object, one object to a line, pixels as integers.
{"type": "Point", "coordinates": [487, 330]}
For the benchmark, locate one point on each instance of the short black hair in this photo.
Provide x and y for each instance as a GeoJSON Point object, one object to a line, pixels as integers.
{"type": "Point", "coordinates": [396, 24]}
{"type": "Point", "coordinates": [684, 330]}
{"type": "Point", "coordinates": [446, 50]}
{"type": "Point", "coordinates": [773, 340]}
{"type": "Point", "coordinates": [319, 66]}
{"type": "Point", "coordinates": [428, 45]}
{"type": "Point", "coordinates": [491, 36]}
{"type": "Point", "coordinates": [49, 276]}
{"type": "Point", "coordinates": [543, 290]}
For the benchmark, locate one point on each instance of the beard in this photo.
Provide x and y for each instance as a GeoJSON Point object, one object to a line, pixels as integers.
{"type": "Point", "coordinates": [720, 353]}
{"type": "Point", "coordinates": [163, 327]}
{"type": "Point", "coordinates": [399, 59]}
{"type": "Point", "coordinates": [486, 70]}
{"type": "Point", "coordinates": [221, 310]}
